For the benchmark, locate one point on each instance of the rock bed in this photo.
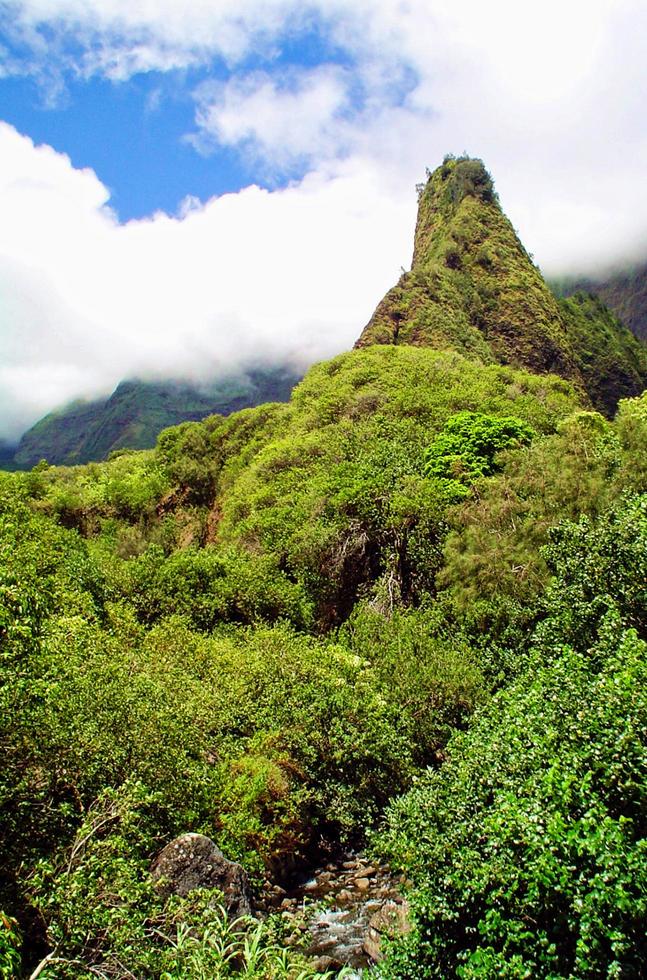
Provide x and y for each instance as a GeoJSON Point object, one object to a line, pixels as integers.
{"type": "Point", "coordinates": [355, 901]}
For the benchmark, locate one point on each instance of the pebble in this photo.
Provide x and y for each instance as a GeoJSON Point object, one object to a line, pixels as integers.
{"type": "Point", "coordinates": [362, 884]}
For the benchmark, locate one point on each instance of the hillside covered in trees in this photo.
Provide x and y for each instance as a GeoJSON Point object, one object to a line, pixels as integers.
{"type": "Point", "coordinates": [137, 411]}
{"type": "Point", "coordinates": [404, 611]}
{"type": "Point", "coordinates": [624, 291]}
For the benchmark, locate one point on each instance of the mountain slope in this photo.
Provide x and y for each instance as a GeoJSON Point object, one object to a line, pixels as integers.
{"type": "Point", "coordinates": [137, 411]}
{"type": "Point", "coordinates": [612, 362]}
{"type": "Point", "coordinates": [473, 287]}
{"type": "Point", "coordinates": [624, 292]}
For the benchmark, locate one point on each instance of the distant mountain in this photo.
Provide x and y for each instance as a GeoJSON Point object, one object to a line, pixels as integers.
{"type": "Point", "coordinates": [624, 292]}
{"type": "Point", "coordinates": [474, 288]}
{"type": "Point", "coordinates": [6, 455]}
{"type": "Point", "coordinates": [137, 411]}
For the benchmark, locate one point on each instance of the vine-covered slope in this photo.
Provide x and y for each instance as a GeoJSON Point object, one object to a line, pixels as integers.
{"type": "Point", "coordinates": [474, 288]}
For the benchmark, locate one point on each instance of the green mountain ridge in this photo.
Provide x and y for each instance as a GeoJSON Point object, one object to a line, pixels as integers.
{"type": "Point", "coordinates": [137, 411]}
{"type": "Point", "coordinates": [403, 611]}
{"type": "Point", "coordinates": [624, 291]}
{"type": "Point", "coordinates": [473, 288]}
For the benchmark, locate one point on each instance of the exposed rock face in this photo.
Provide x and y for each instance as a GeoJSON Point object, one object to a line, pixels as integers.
{"type": "Point", "coordinates": [193, 861]}
{"type": "Point", "coordinates": [391, 920]}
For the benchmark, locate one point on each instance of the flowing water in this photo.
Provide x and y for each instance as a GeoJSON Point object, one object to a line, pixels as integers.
{"type": "Point", "coordinates": [346, 896]}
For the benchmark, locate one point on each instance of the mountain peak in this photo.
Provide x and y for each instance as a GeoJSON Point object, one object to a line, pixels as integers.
{"type": "Point", "coordinates": [443, 192]}
{"type": "Point", "coordinates": [474, 288]}
{"type": "Point", "coordinates": [472, 285]}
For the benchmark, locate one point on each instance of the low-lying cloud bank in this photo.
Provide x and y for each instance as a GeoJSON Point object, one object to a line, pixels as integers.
{"type": "Point", "coordinates": [551, 96]}
{"type": "Point", "coordinates": [253, 277]}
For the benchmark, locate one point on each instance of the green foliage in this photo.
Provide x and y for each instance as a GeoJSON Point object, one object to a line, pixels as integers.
{"type": "Point", "coordinates": [623, 291]}
{"type": "Point", "coordinates": [210, 587]}
{"type": "Point", "coordinates": [495, 548]}
{"type": "Point", "coordinates": [612, 362]}
{"type": "Point", "coordinates": [9, 947]}
{"type": "Point", "coordinates": [340, 497]}
{"type": "Point", "coordinates": [185, 454]}
{"type": "Point", "coordinates": [104, 915]}
{"type": "Point", "coordinates": [528, 846]}
{"type": "Point", "coordinates": [464, 176]}
{"type": "Point", "coordinates": [467, 447]}
{"type": "Point", "coordinates": [264, 739]}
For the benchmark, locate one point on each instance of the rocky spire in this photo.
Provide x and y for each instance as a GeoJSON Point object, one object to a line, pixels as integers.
{"type": "Point", "coordinates": [472, 285]}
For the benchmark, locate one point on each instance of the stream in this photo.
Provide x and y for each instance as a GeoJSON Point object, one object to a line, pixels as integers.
{"type": "Point", "coordinates": [355, 901]}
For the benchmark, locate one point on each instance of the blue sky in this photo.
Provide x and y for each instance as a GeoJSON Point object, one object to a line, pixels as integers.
{"type": "Point", "coordinates": [186, 189]}
{"type": "Point", "coordinates": [133, 132]}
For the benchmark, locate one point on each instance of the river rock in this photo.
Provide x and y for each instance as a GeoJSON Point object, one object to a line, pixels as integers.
{"type": "Point", "coordinates": [193, 861]}
{"type": "Point", "coordinates": [369, 872]}
{"type": "Point", "coordinates": [325, 963]}
{"type": "Point", "coordinates": [391, 920]}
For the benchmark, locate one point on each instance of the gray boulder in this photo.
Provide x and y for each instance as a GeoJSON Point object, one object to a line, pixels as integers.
{"type": "Point", "coordinates": [193, 861]}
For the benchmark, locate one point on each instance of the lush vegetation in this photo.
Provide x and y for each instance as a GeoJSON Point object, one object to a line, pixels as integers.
{"type": "Point", "coordinates": [137, 411]}
{"type": "Point", "coordinates": [528, 847]}
{"type": "Point", "coordinates": [623, 290]}
{"type": "Point", "coordinates": [406, 607]}
{"type": "Point", "coordinates": [474, 288]}
{"type": "Point", "coordinates": [611, 361]}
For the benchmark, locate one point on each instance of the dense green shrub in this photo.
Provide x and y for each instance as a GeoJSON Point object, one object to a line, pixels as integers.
{"type": "Point", "coordinates": [467, 447]}
{"type": "Point", "coordinates": [528, 846]}
{"type": "Point", "coordinates": [210, 587]}
{"type": "Point", "coordinates": [495, 547]}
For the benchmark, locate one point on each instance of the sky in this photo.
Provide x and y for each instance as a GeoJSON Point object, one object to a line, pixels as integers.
{"type": "Point", "coordinates": [187, 189]}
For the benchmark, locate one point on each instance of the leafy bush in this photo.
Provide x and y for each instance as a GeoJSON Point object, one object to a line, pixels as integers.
{"type": "Point", "coordinates": [528, 846]}
{"type": "Point", "coordinates": [467, 447]}
{"type": "Point", "coordinates": [210, 587]}
{"type": "Point", "coordinates": [104, 915]}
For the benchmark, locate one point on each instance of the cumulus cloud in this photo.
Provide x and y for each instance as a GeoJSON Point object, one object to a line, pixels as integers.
{"type": "Point", "coordinates": [247, 277]}
{"type": "Point", "coordinates": [295, 117]}
{"type": "Point", "coordinates": [551, 96]}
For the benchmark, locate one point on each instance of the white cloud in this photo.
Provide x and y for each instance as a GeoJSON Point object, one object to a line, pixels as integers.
{"type": "Point", "coordinates": [255, 275]}
{"type": "Point", "coordinates": [123, 37]}
{"type": "Point", "coordinates": [282, 119]}
{"type": "Point", "coordinates": [551, 96]}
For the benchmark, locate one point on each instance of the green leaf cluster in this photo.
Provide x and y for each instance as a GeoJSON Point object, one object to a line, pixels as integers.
{"type": "Point", "coordinates": [528, 847]}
